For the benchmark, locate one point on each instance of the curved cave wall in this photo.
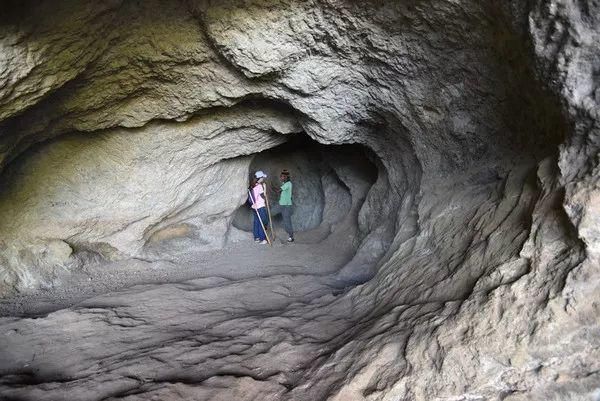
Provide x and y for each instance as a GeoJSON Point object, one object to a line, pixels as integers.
{"type": "Point", "coordinates": [461, 137]}
{"type": "Point", "coordinates": [330, 182]}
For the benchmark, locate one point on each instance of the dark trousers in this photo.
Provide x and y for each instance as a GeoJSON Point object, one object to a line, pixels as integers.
{"type": "Point", "coordinates": [257, 229]}
{"type": "Point", "coordinates": [286, 213]}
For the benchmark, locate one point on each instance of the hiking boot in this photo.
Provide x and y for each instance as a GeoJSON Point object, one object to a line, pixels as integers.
{"type": "Point", "coordinates": [264, 242]}
{"type": "Point", "coordinates": [256, 240]}
{"type": "Point", "coordinates": [290, 239]}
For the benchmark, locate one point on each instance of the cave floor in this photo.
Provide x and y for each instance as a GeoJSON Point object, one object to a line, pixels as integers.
{"type": "Point", "coordinates": [240, 261]}
{"type": "Point", "coordinates": [134, 328]}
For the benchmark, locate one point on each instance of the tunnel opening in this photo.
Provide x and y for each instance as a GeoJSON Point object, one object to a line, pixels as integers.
{"type": "Point", "coordinates": [330, 182]}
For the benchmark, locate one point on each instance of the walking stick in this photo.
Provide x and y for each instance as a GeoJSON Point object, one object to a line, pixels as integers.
{"type": "Point", "coordinates": [269, 211]}
{"type": "Point", "coordinates": [259, 219]}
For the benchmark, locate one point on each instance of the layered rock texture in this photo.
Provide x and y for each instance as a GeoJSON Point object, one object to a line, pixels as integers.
{"type": "Point", "coordinates": [447, 178]}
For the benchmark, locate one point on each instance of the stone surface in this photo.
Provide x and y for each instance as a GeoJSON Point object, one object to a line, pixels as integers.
{"type": "Point", "coordinates": [111, 193]}
{"type": "Point", "coordinates": [466, 268]}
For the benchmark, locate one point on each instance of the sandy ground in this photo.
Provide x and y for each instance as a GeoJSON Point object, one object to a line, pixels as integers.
{"type": "Point", "coordinates": [238, 262]}
{"type": "Point", "coordinates": [241, 323]}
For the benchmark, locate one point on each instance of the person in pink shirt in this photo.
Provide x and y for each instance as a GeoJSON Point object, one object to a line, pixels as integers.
{"type": "Point", "coordinates": [257, 200]}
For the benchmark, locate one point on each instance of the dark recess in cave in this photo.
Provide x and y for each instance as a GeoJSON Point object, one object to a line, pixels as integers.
{"type": "Point", "coordinates": [310, 164]}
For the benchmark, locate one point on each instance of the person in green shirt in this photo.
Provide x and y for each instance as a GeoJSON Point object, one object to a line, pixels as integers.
{"type": "Point", "coordinates": [285, 203]}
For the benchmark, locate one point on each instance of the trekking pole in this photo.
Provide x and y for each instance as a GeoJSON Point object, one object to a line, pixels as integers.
{"type": "Point", "coordinates": [259, 219]}
{"type": "Point", "coordinates": [269, 212]}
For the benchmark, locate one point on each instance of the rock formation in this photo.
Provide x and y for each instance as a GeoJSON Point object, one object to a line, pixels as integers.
{"type": "Point", "coordinates": [448, 154]}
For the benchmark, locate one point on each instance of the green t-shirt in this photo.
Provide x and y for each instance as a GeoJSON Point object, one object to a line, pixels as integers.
{"type": "Point", "coordinates": [285, 199]}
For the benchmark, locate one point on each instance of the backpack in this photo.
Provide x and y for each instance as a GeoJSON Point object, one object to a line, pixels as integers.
{"type": "Point", "coordinates": [249, 199]}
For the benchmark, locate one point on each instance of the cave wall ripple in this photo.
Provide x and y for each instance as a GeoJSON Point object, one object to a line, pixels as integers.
{"type": "Point", "coordinates": [487, 286]}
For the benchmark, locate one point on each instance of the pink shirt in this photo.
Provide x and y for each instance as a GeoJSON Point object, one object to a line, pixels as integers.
{"type": "Point", "coordinates": [256, 195]}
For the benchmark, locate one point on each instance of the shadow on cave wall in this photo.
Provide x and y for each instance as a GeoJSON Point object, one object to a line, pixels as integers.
{"type": "Point", "coordinates": [531, 111]}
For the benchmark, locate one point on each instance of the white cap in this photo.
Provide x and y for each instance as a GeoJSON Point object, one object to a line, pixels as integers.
{"type": "Point", "coordinates": [260, 174]}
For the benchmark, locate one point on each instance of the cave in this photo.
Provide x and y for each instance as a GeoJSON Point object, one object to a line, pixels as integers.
{"type": "Point", "coordinates": [444, 157]}
{"type": "Point", "coordinates": [329, 181]}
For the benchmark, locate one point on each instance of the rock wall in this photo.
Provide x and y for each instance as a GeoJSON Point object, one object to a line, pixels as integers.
{"type": "Point", "coordinates": [374, 88]}
{"type": "Point", "coordinates": [483, 121]}
{"type": "Point", "coordinates": [120, 192]}
{"type": "Point", "coordinates": [330, 182]}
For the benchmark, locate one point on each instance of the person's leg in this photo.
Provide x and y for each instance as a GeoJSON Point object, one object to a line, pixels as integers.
{"type": "Point", "coordinates": [265, 220]}
{"type": "Point", "coordinates": [256, 228]}
{"type": "Point", "coordinates": [286, 213]}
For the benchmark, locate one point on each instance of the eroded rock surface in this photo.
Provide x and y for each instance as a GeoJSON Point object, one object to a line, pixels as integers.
{"type": "Point", "coordinates": [464, 268]}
